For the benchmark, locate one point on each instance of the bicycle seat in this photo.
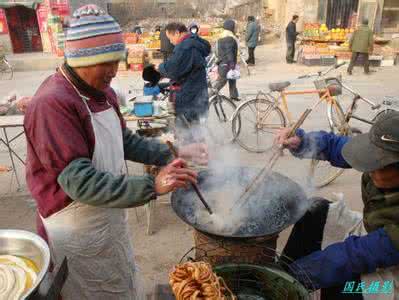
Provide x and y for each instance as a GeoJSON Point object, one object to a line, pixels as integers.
{"type": "Point", "coordinates": [279, 86]}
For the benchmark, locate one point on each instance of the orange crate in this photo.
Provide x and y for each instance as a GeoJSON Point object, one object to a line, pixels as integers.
{"type": "Point", "coordinates": [130, 38]}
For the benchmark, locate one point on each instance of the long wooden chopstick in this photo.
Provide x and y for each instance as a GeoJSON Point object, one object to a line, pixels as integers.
{"type": "Point", "coordinates": [195, 186]}
{"type": "Point", "coordinates": [272, 161]}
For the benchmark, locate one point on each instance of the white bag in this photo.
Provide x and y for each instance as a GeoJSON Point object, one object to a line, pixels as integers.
{"type": "Point", "coordinates": [234, 74]}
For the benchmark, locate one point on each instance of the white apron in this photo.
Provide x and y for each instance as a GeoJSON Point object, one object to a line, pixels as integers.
{"type": "Point", "coordinates": [342, 222]}
{"type": "Point", "coordinates": [96, 240]}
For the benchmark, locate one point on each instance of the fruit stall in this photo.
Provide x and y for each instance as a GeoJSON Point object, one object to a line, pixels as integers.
{"type": "Point", "coordinates": [321, 45]}
{"type": "Point", "coordinates": [145, 48]}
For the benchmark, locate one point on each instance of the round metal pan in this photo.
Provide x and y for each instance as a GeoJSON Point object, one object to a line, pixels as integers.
{"type": "Point", "coordinates": [276, 204]}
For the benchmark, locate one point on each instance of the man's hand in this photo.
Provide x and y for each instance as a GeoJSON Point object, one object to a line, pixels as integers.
{"type": "Point", "coordinates": [174, 176]}
{"type": "Point", "coordinates": [22, 103]}
{"type": "Point", "coordinates": [281, 138]}
{"type": "Point", "coordinates": [196, 153]}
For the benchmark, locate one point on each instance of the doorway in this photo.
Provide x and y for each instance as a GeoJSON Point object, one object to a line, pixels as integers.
{"type": "Point", "coordinates": [339, 12]}
{"type": "Point", "coordinates": [24, 29]}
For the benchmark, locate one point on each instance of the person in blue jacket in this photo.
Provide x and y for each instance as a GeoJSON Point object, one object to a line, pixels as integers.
{"type": "Point", "coordinates": [376, 154]}
{"type": "Point", "coordinates": [187, 69]}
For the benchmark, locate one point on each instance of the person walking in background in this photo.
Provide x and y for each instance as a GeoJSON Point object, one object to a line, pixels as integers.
{"type": "Point", "coordinates": [291, 35]}
{"type": "Point", "coordinates": [251, 39]}
{"type": "Point", "coordinates": [166, 46]}
{"type": "Point", "coordinates": [226, 52]}
{"type": "Point", "coordinates": [361, 45]}
{"type": "Point", "coordinates": [194, 28]}
{"type": "Point", "coordinates": [186, 69]}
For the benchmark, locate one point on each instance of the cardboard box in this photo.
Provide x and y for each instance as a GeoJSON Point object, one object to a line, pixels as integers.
{"type": "Point", "coordinates": [122, 66]}
{"type": "Point", "coordinates": [387, 63]}
{"type": "Point", "coordinates": [135, 60]}
{"type": "Point", "coordinates": [311, 61]}
{"type": "Point", "coordinates": [312, 56]}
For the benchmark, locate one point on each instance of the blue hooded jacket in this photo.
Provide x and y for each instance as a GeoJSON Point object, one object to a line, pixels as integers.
{"type": "Point", "coordinates": [340, 262]}
{"type": "Point", "coordinates": [187, 67]}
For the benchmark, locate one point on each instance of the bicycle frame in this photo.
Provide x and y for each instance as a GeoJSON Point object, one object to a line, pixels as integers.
{"type": "Point", "coordinates": [282, 102]}
{"type": "Point", "coordinates": [352, 108]}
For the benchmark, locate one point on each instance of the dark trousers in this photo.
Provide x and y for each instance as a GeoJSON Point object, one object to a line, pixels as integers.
{"type": "Point", "coordinates": [366, 62]}
{"type": "Point", "coordinates": [306, 237]}
{"type": "Point", "coordinates": [290, 52]}
{"type": "Point", "coordinates": [251, 55]}
{"type": "Point", "coordinates": [221, 82]}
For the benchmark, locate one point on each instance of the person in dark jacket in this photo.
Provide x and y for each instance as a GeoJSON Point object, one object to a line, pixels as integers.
{"type": "Point", "coordinates": [166, 46]}
{"type": "Point", "coordinates": [187, 68]}
{"type": "Point", "coordinates": [364, 251]}
{"type": "Point", "coordinates": [251, 39]}
{"type": "Point", "coordinates": [361, 45]}
{"type": "Point", "coordinates": [291, 35]}
{"type": "Point", "coordinates": [226, 52]}
{"type": "Point", "coordinates": [193, 28]}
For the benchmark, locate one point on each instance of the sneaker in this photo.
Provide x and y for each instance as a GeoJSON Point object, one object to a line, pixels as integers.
{"type": "Point", "coordinates": [236, 99]}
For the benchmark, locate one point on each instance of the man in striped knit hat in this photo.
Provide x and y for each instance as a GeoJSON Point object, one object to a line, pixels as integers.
{"type": "Point", "coordinates": [77, 145]}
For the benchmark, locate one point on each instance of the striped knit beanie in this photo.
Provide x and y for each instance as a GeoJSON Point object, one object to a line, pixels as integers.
{"type": "Point", "coordinates": [93, 38]}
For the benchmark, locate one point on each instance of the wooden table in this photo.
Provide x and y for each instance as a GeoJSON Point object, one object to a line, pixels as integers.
{"type": "Point", "coordinates": [7, 122]}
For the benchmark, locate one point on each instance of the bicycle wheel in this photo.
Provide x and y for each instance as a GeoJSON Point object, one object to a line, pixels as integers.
{"type": "Point", "coordinates": [6, 71]}
{"type": "Point", "coordinates": [221, 110]}
{"type": "Point", "coordinates": [323, 173]}
{"type": "Point", "coordinates": [260, 118]}
{"type": "Point", "coordinates": [382, 114]}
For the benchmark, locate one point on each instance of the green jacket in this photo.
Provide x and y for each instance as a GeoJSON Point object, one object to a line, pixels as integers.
{"type": "Point", "coordinates": [252, 35]}
{"type": "Point", "coordinates": [82, 182]}
{"type": "Point", "coordinates": [362, 40]}
{"type": "Point", "coordinates": [381, 209]}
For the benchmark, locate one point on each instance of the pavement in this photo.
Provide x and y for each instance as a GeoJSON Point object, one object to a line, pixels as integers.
{"type": "Point", "coordinates": [156, 254]}
{"type": "Point", "coordinates": [36, 61]}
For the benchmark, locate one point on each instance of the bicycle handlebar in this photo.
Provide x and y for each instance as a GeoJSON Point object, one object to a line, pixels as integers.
{"type": "Point", "coordinates": [373, 105]}
{"type": "Point", "coordinates": [322, 73]}
{"type": "Point", "coordinates": [340, 65]}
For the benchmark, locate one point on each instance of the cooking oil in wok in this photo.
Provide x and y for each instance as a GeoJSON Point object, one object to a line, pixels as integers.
{"type": "Point", "coordinates": [19, 275]}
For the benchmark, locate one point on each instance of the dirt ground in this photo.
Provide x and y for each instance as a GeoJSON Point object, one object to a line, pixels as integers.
{"type": "Point", "coordinates": [157, 253]}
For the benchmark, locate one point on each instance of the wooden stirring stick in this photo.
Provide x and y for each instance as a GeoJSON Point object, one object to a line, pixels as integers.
{"type": "Point", "coordinates": [195, 186]}
{"type": "Point", "coordinates": [269, 167]}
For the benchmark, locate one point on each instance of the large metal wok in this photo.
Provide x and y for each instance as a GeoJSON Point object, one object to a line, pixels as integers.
{"type": "Point", "coordinates": [29, 245]}
{"type": "Point", "coordinates": [276, 204]}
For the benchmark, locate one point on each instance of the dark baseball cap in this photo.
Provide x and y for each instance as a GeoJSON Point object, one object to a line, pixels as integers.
{"type": "Point", "coordinates": [376, 149]}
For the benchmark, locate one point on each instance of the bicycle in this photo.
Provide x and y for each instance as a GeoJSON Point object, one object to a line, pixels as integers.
{"type": "Point", "coordinates": [6, 71]}
{"type": "Point", "coordinates": [221, 110]}
{"type": "Point", "coordinates": [269, 113]}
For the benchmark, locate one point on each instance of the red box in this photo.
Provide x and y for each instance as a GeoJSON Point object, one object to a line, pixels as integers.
{"type": "Point", "coordinates": [3, 22]}
{"type": "Point", "coordinates": [136, 67]}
